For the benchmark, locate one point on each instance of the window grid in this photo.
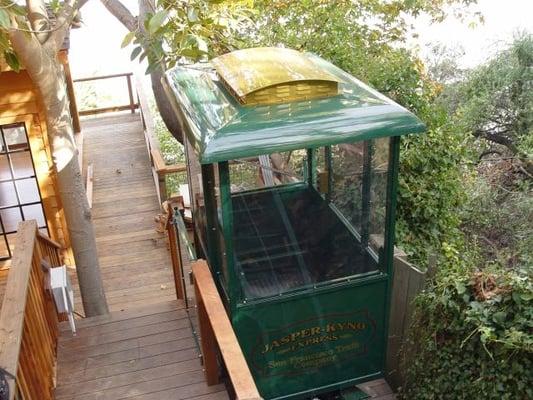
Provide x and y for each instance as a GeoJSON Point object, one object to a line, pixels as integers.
{"type": "Point", "coordinates": [7, 151]}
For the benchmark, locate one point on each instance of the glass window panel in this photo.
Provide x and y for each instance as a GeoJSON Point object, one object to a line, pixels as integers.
{"type": "Point", "coordinates": [289, 237]}
{"type": "Point", "coordinates": [5, 172]}
{"type": "Point", "coordinates": [378, 202]}
{"type": "Point", "coordinates": [267, 170]}
{"type": "Point", "coordinates": [11, 218]}
{"type": "Point", "coordinates": [346, 181]}
{"type": "Point", "coordinates": [16, 138]}
{"type": "Point", "coordinates": [8, 196]}
{"type": "Point", "coordinates": [28, 190]}
{"type": "Point", "coordinates": [35, 211]}
{"type": "Point", "coordinates": [22, 164]}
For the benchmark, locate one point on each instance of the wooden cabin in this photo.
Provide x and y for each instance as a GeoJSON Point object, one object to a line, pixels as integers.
{"type": "Point", "coordinates": [28, 181]}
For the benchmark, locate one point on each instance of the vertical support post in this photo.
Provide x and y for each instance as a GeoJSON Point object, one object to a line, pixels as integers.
{"type": "Point", "coordinates": [227, 227]}
{"type": "Point", "coordinates": [311, 166]}
{"type": "Point", "coordinates": [161, 179]}
{"type": "Point", "coordinates": [390, 217]}
{"type": "Point", "coordinates": [175, 255]}
{"type": "Point", "coordinates": [366, 195]}
{"type": "Point", "coordinates": [130, 93]}
{"type": "Point", "coordinates": [210, 204]}
{"type": "Point", "coordinates": [329, 168]}
{"type": "Point", "coordinates": [208, 342]}
{"type": "Point", "coordinates": [73, 106]}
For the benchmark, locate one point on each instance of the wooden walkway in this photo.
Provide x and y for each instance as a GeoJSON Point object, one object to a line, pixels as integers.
{"type": "Point", "coordinates": [145, 348]}
{"type": "Point", "coordinates": [145, 354]}
{"type": "Point", "coordinates": [134, 260]}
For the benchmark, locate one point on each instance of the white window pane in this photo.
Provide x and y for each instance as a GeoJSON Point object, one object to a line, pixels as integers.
{"type": "Point", "coordinates": [35, 212]}
{"type": "Point", "coordinates": [4, 168]}
{"type": "Point", "coordinates": [11, 218]}
{"type": "Point", "coordinates": [8, 196]}
{"type": "Point", "coordinates": [16, 138]}
{"type": "Point", "coordinates": [28, 190]}
{"type": "Point", "coordinates": [22, 165]}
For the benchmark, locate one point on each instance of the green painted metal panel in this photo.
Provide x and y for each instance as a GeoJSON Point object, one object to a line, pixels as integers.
{"type": "Point", "coordinates": [221, 129]}
{"type": "Point", "coordinates": [314, 342]}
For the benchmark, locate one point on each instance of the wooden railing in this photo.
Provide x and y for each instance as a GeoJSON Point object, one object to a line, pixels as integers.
{"type": "Point", "coordinates": [159, 168]}
{"type": "Point", "coordinates": [28, 319]}
{"type": "Point", "coordinates": [132, 104]}
{"type": "Point", "coordinates": [217, 335]}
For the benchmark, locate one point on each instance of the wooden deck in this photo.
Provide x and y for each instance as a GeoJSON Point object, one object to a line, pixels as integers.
{"type": "Point", "coordinates": [134, 260]}
{"type": "Point", "coordinates": [145, 348]}
{"type": "Point", "coordinates": [147, 353]}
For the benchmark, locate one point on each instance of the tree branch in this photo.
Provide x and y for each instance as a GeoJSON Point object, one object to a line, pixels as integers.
{"type": "Point", "coordinates": [497, 138]}
{"type": "Point", "coordinates": [38, 17]}
{"type": "Point", "coordinates": [121, 13]}
{"type": "Point", "coordinates": [63, 21]}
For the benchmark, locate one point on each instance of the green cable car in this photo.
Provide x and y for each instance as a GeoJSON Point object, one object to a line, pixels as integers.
{"type": "Point", "coordinates": [295, 211]}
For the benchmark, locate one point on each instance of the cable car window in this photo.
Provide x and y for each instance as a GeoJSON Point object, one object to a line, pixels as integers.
{"type": "Point", "coordinates": [291, 237]}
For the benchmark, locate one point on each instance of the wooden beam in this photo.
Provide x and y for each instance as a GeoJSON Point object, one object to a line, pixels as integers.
{"type": "Point", "coordinates": [63, 58]}
{"type": "Point", "coordinates": [107, 109]}
{"type": "Point", "coordinates": [215, 324]}
{"type": "Point", "coordinates": [89, 185]}
{"type": "Point", "coordinates": [95, 78]}
{"type": "Point", "coordinates": [175, 253]}
{"type": "Point", "coordinates": [14, 304]}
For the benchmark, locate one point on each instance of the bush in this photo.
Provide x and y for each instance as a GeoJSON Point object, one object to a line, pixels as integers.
{"type": "Point", "coordinates": [472, 337]}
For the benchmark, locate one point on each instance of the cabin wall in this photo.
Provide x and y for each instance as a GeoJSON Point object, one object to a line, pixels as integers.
{"type": "Point", "coordinates": [19, 102]}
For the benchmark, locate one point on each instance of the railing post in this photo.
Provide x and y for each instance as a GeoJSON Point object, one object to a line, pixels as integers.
{"type": "Point", "coordinates": [208, 342]}
{"type": "Point", "coordinates": [130, 92]}
{"type": "Point", "coordinates": [175, 254]}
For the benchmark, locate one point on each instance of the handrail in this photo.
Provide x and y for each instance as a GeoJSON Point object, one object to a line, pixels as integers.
{"type": "Point", "coordinates": [95, 78]}
{"type": "Point", "coordinates": [159, 168]}
{"type": "Point", "coordinates": [28, 318]}
{"type": "Point", "coordinates": [216, 329]}
{"type": "Point", "coordinates": [132, 104]}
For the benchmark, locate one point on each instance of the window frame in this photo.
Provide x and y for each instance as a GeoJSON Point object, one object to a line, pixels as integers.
{"type": "Point", "coordinates": [13, 179]}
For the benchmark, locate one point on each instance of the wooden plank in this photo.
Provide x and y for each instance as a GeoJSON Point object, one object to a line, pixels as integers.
{"type": "Point", "coordinates": [103, 110]}
{"type": "Point", "coordinates": [14, 304]}
{"type": "Point", "coordinates": [89, 185]}
{"type": "Point", "coordinates": [125, 234]}
{"type": "Point", "coordinates": [238, 371]}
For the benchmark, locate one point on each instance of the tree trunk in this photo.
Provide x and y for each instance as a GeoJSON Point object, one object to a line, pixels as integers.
{"type": "Point", "coordinates": [168, 115]}
{"type": "Point", "coordinates": [45, 71]}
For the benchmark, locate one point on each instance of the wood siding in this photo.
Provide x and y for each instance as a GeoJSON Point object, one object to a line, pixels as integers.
{"type": "Point", "coordinates": [19, 103]}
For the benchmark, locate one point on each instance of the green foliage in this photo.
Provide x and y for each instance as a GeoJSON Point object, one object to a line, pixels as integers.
{"type": "Point", "coordinates": [11, 15]}
{"type": "Point", "coordinates": [495, 101]}
{"type": "Point", "coordinates": [171, 150]}
{"type": "Point", "coordinates": [188, 30]}
{"type": "Point", "coordinates": [472, 336]}
{"type": "Point", "coordinates": [498, 222]}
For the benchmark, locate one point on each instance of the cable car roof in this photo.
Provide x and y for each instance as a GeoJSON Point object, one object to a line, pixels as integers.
{"type": "Point", "coordinates": [266, 100]}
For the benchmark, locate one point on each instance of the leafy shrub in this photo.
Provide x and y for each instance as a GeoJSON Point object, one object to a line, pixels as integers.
{"type": "Point", "coordinates": [472, 337]}
{"type": "Point", "coordinates": [171, 150]}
